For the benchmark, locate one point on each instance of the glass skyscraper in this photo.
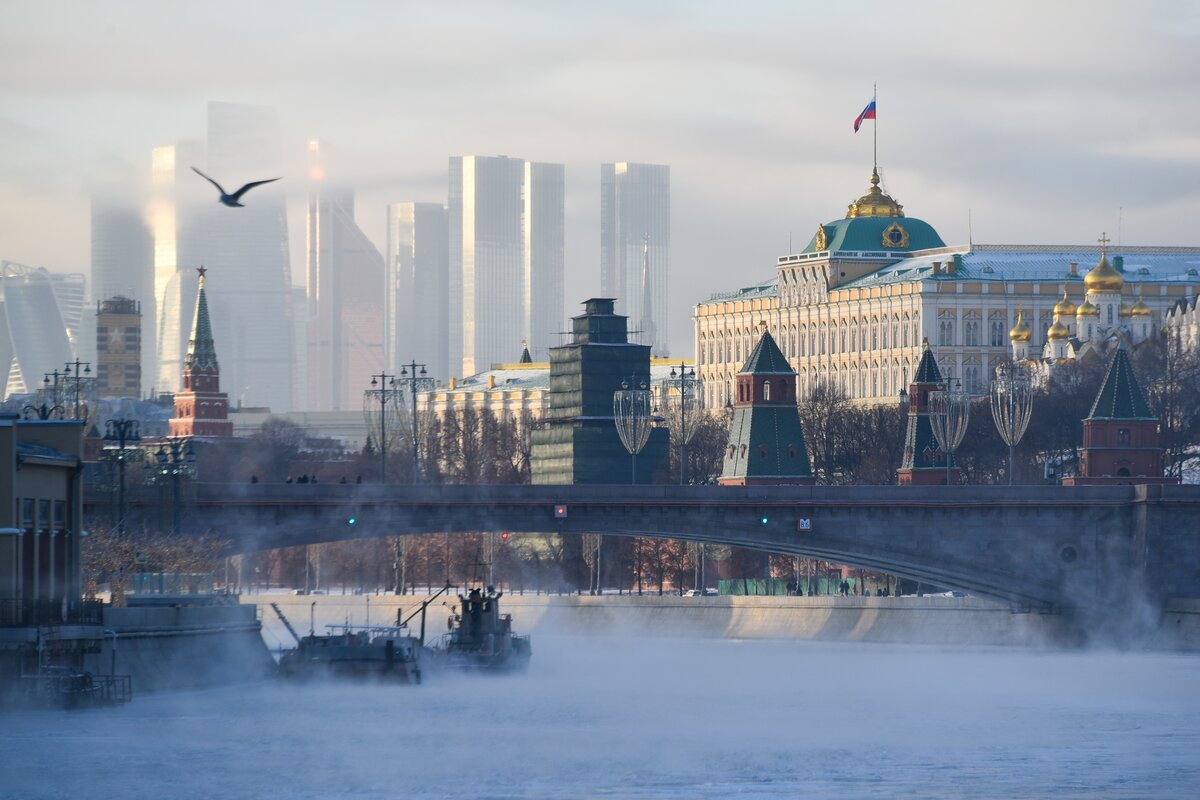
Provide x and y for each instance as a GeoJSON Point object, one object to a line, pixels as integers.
{"type": "Point", "coordinates": [345, 307]}
{"type": "Point", "coordinates": [506, 257]}
{"type": "Point", "coordinates": [417, 288]}
{"type": "Point", "coordinates": [635, 230]}
{"type": "Point", "coordinates": [123, 261]}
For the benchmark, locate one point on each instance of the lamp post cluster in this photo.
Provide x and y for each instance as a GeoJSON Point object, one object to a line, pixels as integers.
{"type": "Point", "coordinates": [949, 414]}
{"type": "Point", "coordinates": [174, 460]}
{"type": "Point", "coordinates": [681, 398]}
{"type": "Point", "coordinates": [119, 433]}
{"type": "Point", "coordinates": [1012, 406]}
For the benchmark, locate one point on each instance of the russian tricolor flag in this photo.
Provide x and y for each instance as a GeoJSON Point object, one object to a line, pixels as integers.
{"type": "Point", "coordinates": [867, 113]}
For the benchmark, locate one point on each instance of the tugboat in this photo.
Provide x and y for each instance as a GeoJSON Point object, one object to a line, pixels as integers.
{"type": "Point", "coordinates": [384, 652]}
{"type": "Point", "coordinates": [481, 638]}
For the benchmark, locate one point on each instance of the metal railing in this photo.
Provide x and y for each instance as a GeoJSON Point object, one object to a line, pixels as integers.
{"type": "Point", "coordinates": [65, 688]}
{"type": "Point", "coordinates": [18, 612]}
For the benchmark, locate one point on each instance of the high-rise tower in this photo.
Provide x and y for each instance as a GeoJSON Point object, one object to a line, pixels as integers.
{"type": "Point", "coordinates": [123, 261]}
{"type": "Point", "coordinates": [178, 225]}
{"type": "Point", "coordinates": [201, 408]}
{"type": "Point", "coordinates": [506, 257]}
{"type": "Point", "coordinates": [249, 248]}
{"type": "Point", "coordinates": [119, 347]}
{"type": "Point", "coordinates": [345, 306]}
{"type": "Point", "coordinates": [417, 288]}
{"type": "Point", "coordinates": [635, 203]}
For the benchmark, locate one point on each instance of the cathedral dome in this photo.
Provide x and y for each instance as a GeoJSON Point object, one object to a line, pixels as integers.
{"type": "Point", "coordinates": [1126, 310]}
{"type": "Point", "coordinates": [1020, 333]}
{"type": "Point", "coordinates": [1140, 309]}
{"type": "Point", "coordinates": [1057, 331]}
{"type": "Point", "coordinates": [875, 223]}
{"type": "Point", "coordinates": [1104, 277]}
{"type": "Point", "coordinates": [1065, 307]}
{"type": "Point", "coordinates": [1086, 309]}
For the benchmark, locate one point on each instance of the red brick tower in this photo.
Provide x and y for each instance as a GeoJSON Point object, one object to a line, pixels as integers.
{"type": "Point", "coordinates": [201, 409]}
{"type": "Point", "coordinates": [1120, 435]}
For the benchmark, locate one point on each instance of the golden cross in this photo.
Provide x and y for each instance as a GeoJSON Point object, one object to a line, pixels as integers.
{"type": "Point", "coordinates": [1104, 240]}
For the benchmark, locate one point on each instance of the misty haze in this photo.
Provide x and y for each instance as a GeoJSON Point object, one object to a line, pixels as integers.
{"type": "Point", "coordinates": [640, 400]}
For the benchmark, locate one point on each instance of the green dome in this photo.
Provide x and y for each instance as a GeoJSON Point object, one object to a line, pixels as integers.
{"type": "Point", "coordinates": [867, 233]}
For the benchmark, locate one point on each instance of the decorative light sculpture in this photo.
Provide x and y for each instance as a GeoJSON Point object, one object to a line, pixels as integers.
{"type": "Point", "coordinates": [633, 418]}
{"type": "Point", "coordinates": [1012, 405]}
{"type": "Point", "coordinates": [949, 413]}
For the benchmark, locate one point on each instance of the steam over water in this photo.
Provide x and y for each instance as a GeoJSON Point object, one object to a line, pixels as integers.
{"type": "Point", "coordinates": [639, 718]}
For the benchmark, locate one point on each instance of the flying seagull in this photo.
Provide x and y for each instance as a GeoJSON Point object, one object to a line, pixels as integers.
{"type": "Point", "coordinates": [231, 200]}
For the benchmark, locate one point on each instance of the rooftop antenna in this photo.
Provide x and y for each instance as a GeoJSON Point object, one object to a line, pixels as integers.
{"type": "Point", "coordinates": [875, 127]}
{"type": "Point", "coordinates": [1120, 215]}
{"type": "Point", "coordinates": [970, 235]}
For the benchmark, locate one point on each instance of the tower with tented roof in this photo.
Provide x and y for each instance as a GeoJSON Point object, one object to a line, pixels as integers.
{"type": "Point", "coordinates": [201, 408]}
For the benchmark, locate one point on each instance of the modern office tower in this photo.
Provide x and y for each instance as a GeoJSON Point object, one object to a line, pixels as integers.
{"type": "Point", "coordinates": [70, 290]}
{"type": "Point", "coordinates": [417, 289]}
{"type": "Point", "coordinates": [495, 208]}
{"type": "Point", "coordinates": [123, 260]}
{"type": "Point", "coordinates": [33, 336]}
{"type": "Point", "coordinates": [246, 251]}
{"type": "Point", "coordinates": [119, 347]}
{"type": "Point", "coordinates": [635, 230]}
{"type": "Point", "coordinates": [543, 222]}
{"type": "Point", "coordinates": [177, 220]}
{"type": "Point", "coordinates": [345, 306]}
{"type": "Point", "coordinates": [300, 334]}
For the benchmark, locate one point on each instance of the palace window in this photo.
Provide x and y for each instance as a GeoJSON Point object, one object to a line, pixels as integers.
{"type": "Point", "coordinates": [766, 390]}
{"type": "Point", "coordinates": [945, 333]}
{"type": "Point", "coordinates": [996, 333]}
{"type": "Point", "coordinates": [971, 333]}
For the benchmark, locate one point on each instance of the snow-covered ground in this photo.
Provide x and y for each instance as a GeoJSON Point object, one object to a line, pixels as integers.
{"type": "Point", "coordinates": [635, 718]}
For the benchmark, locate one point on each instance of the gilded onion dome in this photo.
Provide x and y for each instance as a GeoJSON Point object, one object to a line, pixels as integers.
{"type": "Point", "coordinates": [1140, 309]}
{"type": "Point", "coordinates": [1065, 307]}
{"type": "Point", "coordinates": [1126, 310]}
{"type": "Point", "coordinates": [875, 203]}
{"type": "Point", "coordinates": [1020, 333]}
{"type": "Point", "coordinates": [1057, 330]}
{"type": "Point", "coordinates": [1104, 277]}
{"type": "Point", "coordinates": [1086, 309]}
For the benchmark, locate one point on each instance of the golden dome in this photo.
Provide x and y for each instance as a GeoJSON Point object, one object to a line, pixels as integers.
{"type": "Point", "coordinates": [875, 203]}
{"type": "Point", "coordinates": [1065, 306]}
{"type": "Point", "coordinates": [1126, 310]}
{"type": "Point", "coordinates": [1104, 277]}
{"type": "Point", "coordinates": [1140, 309]}
{"type": "Point", "coordinates": [1057, 330]}
{"type": "Point", "coordinates": [1020, 333]}
{"type": "Point", "coordinates": [1086, 309]}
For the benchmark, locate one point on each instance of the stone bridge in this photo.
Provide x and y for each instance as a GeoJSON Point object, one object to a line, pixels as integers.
{"type": "Point", "coordinates": [1035, 547]}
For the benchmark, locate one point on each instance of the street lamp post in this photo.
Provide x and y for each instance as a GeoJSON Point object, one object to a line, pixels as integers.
{"type": "Point", "coordinates": [385, 394]}
{"type": "Point", "coordinates": [416, 383]}
{"type": "Point", "coordinates": [1012, 406]}
{"type": "Point", "coordinates": [682, 391]}
{"type": "Point", "coordinates": [949, 413]}
{"type": "Point", "coordinates": [633, 418]}
{"type": "Point", "coordinates": [77, 379]}
{"type": "Point", "coordinates": [176, 457]}
{"type": "Point", "coordinates": [121, 431]}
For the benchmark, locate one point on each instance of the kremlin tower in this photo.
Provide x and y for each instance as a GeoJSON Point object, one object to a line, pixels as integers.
{"type": "Point", "coordinates": [201, 408]}
{"type": "Point", "coordinates": [924, 460]}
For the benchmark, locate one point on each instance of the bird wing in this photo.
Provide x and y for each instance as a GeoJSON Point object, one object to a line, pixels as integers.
{"type": "Point", "coordinates": [210, 180]}
{"type": "Point", "coordinates": [238, 194]}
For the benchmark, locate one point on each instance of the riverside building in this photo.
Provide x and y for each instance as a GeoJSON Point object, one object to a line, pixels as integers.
{"type": "Point", "coordinates": [853, 307]}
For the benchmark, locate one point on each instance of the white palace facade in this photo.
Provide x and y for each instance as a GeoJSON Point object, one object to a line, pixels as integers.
{"type": "Point", "coordinates": [855, 305]}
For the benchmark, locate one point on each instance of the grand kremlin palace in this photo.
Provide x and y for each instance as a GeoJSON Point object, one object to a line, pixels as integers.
{"type": "Point", "coordinates": [855, 305]}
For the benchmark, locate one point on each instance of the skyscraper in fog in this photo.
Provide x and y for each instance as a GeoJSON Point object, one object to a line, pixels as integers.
{"type": "Point", "coordinates": [123, 261]}
{"type": "Point", "coordinates": [506, 258]}
{"type": "Point", "coordinates": [248, 248]}
{"type": "Point", "coordinates": [33, 335]}
{"type": "Point", "coordinates": [543, 222]}
{"type": "Point", "coordinates": [635, 237]}
{"type": "Point", "coordinates": [418, 288]}
{"type": "Point", "coordinates": [178, 225]}
{"type": "Point", "coordinates": [345, 305]}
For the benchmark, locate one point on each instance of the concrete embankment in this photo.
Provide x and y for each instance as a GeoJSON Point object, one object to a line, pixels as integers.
{"type": "Point", "coordinates": [923, 620]}
{"type": "Point", "coordinates": [182, 647]}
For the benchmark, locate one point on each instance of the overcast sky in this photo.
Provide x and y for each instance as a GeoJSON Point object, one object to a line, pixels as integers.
{"type": "Point", "coordinates": [1042, 118]}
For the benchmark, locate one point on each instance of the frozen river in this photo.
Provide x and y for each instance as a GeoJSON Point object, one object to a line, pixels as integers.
{"type": "Point", "coordinates": [633, 718]}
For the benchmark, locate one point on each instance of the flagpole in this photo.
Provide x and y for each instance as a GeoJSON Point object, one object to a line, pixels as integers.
{"type": "Point", "coordinates": [875, 127]}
